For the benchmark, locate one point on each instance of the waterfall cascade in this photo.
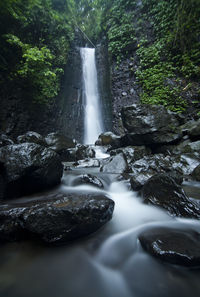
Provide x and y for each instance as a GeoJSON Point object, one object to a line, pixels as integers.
{"type": "Point", "coordinates": [93, 125]}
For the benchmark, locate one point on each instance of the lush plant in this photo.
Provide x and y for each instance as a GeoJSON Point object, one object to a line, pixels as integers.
{"type": "Point", "coordinates": [35, 36]}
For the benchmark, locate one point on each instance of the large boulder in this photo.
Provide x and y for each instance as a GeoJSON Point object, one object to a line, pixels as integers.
{"type": "Point", "coordinates": [32, 137]}
{"type": "Point", "coordinates": [150, 125]}
{"type": "Point", "coordinates": [29, 168]}
{"type": "Point", "coordinates": [115, 164]}
{"type": "Point", "coordinates": [108, 138]}
{"type": "Point", "coordinates": [60, 144]}
{"type": "Point", "coordinates": [161, 190]}
{"type": "Point", "coordinates": [57, 219]}
{"type": "Point", "coordinates": [175, 246]}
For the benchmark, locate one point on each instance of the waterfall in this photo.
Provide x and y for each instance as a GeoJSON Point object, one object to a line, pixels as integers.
{"type": "Point", "coordinates": [92, 119]}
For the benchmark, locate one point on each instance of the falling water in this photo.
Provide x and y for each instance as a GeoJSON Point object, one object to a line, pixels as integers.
{"type": "Point", "coordinates": [93, 123]}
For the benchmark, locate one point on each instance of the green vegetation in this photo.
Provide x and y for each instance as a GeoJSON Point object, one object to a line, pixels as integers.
{"type": "Point", "coordinates": [35, 36]}
{"type": "Point", "coordinates": [161, 36]}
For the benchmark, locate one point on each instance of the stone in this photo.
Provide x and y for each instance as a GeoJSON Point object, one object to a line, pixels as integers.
{"type": "Point", "coordinates": [89, 180]}
{"type": "Point", "coordinates": [84, 152]}
{"type": "Point", "coordinates": [29, 168]}
{"type": "Point", "coordinates": [116, 164]}
{"type": "Point", "coordinates": [132, 153]}
{"type": "Point", "coordinates": [124, 93]}
{"type": "Point", "coordinates": [196, 173]}
{"type": "Point", "coordinates": [58, 142]}
{"type": "Point", "coordinates": [150, 125]}
{"type": "Point", "coordinates": [175, 246]}
{"type": "Point", "coordinates": [161, 190]}
{"type": "Point", "coordinates": [32, 137]}
{"type": "Point", "coordinates": [192, 129]}
{"type": "Point", "coordinates": [57, 219]}
{"type": "Point", "coordinates": [108, 138]}
{"type": "Point", "coordinates": [5, 140]}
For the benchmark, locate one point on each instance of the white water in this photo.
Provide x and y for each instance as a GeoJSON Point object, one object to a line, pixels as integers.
{"type": "Point", "coordinates": [93, 126]}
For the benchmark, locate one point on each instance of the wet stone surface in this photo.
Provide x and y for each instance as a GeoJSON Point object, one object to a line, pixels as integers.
{"type": "Point", "coordinates": [181, 247]}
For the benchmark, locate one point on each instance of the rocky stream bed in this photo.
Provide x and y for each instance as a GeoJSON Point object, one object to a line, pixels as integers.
{"type": "Point", "coordinates": [145, 182]}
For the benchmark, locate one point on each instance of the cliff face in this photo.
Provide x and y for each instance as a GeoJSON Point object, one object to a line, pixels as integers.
{"type": "Point", "coordinates": [65, 113]}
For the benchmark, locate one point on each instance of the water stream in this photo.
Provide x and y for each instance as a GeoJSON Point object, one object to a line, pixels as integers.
{"type": "Point", "coordinates": [109, 263]}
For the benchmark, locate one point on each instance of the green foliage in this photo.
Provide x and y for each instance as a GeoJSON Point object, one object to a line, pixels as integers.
{"type": "Point", "coordinates": [35, 36]}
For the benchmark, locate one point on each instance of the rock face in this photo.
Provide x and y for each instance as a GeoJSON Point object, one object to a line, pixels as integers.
{"type": "Point", "coordinates": [57, 219]}
{"type": "Point", "coordinates": [161, 190]}
{"type": "Point", "coordinates": [29, 168]}
{"type": "Point", "coordinates": [150, 124]}
{"type": "Point", "coordinates": [180, 247]}
{"type": "Point", "coordinates": [32, 137]}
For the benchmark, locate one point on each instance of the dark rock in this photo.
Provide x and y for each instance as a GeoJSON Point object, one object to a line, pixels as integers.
{"type": "Point", "coordinates": [108, 138]}
{"type": "Point", "coordinates": [196, 173]}
{"type": "Point", "coordinates": [161, 190]}
{"type": "Point", "coordinates": [188, 147]}
{"type": "Point", "coordinates": [89, 180]}
{"type": "Point", "coordinates": [84, 151]}
{"type": "Point", "coordinates": [61, 145]}
{"type": "Point", "coordinates": [32, 137]}
{"type": "Point", "coordinates": [138, 181]}
{"type": "Point", "coordinates": [116, 164]}
{"type": "Point", "coordinates": [57, 219]}
{"type": "Point", "coordinates": [192, 129]}
{"type": "Point", "coordinates": [180, 247]}
{"type": "Point", "coordinates": [132, 153]}
{"type": "Point", "coordinates": [150, 125]}
{"type": "Point", "coordinates": [58, 142]}
{"type": "Point", "coordinates": [5, 140]}
{"type": "Point", "coordinates": [29, 168]}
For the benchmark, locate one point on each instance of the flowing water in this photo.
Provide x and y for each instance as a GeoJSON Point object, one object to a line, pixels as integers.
{"type": "Point", "coordinates": [109, 263]}
{"type": "Point", "coordinates": [93, 121]}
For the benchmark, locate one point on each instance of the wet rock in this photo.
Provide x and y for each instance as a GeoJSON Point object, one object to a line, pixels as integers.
{"type": "Point", "coordinates": [175, 246]}
{"type": "Point", "coordinates": [5, 140]}
{"type": "Point", "coordinates": [196, 173]}
{"type": "Point", "coordinates": [84, 151]}
{"type": "Point", "coordinates": [89, 180]}
{"type": "Point", "coordinates": [87, 163]}
{"type": "Point", "coordinates": [57, 219]}
{"type": "Point", "coordinates": [161, 190]}
{"type": "Point", "coordinates": [29, 168]}
{"type": "Point", "coordinates": [189, 147]}
{"type": "Point", "coordinates": [138, 181]}
{"type": "Point", "coordinates": [32, 137]}
{"type": "Point", "coordinates": [192, 129]}
{"type": "Point", "coordinates": [132, 153]}
{"type": "Point", "coordinates": [150, 125]}
{"type": "Point", "coordinates": [116, 164]}
{"type": "Point", "coordinates": [58, 142]}
{"type": "Point", "coordinates": [109, 138]}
